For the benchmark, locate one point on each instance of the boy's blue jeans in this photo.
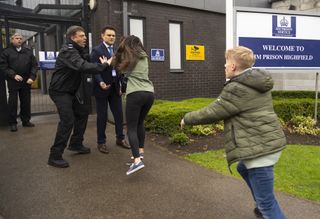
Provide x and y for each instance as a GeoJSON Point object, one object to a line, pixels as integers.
{"type": "Point", "coordinates": [260, 182]}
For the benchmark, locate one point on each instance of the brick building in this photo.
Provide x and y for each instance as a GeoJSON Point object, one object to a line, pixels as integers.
{"type": "Point", "coordinates": [170, 26]}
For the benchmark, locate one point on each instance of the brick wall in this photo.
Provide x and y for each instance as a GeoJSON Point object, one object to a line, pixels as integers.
{"type": "Point", "coordinates": [200, 78]}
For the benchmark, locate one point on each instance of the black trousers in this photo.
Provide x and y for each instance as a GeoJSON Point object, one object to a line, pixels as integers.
{"type": "Point", "coordinates": [115, 104]}
{"type": "Point", "coordinates": [73, 116]}
{"type": "Point", "coordinates": [23, 90]}
{"type": "Point", "coordinates": [138, 105]}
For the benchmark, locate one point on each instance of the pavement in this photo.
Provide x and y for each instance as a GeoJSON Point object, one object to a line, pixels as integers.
{"type": "Point", "coordinates": [95, 186]}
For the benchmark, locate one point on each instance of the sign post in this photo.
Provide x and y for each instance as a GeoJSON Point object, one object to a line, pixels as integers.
{"type": "Point", "coordinates": [47, 60]}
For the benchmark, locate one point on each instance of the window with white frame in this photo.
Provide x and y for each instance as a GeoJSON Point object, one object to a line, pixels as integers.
{"type": "Point", "coordinates": [175, 46]}
{"type": "Point", "coordinates": [136, 27]}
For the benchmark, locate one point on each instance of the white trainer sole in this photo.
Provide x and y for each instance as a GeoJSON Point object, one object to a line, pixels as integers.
{"type": "Point", "coordinates": [135, 170]}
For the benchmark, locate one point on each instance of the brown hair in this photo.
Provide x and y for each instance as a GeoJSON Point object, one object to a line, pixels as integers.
{"type": "Point", "coordinates": [108, 27]}
{"type": "Point", "coordinates": [71, 31]}
{"type": "Point", "coordinates": [243, 56]}
{"type": "Point", "coordinates": [128, 54]}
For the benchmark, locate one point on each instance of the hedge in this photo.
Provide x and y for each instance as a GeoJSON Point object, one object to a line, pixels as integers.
{"type": "Point", "coordinates": [165, 116]}
{"type": "Point", "coordinates": [286, 109]}
{"type": "Point", "coordinates": [293, 94]}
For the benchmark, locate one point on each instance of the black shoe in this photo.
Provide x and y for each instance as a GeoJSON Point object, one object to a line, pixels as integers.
{"type": "Point", "coordinates": [80, 149]}
{"type": "Point", "coordinates": [58, 162]}
{"type": "Point", "coordinates": [27, 124]}
{"type": "Point", "coordinates": [257, 213]}
{"type": "Point", "coordinates": [13, 128]}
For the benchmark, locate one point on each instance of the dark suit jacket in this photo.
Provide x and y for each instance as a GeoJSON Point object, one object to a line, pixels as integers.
{"type": "Point", "coordinates": [106, 76]}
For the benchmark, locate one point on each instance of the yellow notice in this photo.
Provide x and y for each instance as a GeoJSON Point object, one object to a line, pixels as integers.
{"type": "Point", "coordinates": [194, 52]}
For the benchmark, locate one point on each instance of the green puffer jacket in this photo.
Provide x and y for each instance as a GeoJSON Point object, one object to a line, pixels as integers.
{"type": "Point", "coordinates": [251, 127]}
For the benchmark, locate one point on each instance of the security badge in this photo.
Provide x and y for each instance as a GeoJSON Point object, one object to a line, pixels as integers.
{"type": "Point", "coordinates": [114, 73]}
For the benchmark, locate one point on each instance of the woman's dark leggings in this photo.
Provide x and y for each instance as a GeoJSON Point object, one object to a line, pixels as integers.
{"type": "Point", "coordinates": [138, 105]}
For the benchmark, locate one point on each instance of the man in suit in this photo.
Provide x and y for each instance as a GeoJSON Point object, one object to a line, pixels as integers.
{"type": "Point", "coordinates": [20, 66]}
{"type": "Point", "coordinates": [107, 89]}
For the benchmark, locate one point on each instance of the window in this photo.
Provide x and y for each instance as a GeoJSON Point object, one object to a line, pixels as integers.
{"type": "Point", "coordinates": [136, 28]}
{"type": "Point", "coordinates": [175, 46]}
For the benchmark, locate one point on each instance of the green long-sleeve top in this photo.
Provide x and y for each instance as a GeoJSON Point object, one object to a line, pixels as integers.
{"type": "Point", "coordinates": [138, 78]}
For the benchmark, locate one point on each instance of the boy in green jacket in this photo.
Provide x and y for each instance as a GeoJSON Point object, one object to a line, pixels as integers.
{"type": "Point", "coordinates": [253, 135]}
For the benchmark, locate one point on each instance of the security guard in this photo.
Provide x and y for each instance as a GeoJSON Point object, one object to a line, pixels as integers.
{"type": "Point", "coordinates": [66, 92]}
{"type": "Point", "coordinates": [20, 67]}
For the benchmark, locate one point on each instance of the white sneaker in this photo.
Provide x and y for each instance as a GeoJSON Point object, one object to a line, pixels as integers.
{"type": "Point", "coordinates": [135, 167]}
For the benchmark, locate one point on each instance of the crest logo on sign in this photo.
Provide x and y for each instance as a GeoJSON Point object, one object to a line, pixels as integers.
{"type": "Point", "coordinates": [283, 26]}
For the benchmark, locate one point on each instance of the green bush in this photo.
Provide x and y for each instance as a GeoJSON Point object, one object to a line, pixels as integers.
{"type": "Point", "coordinates": [165, 116]}
{"type": "Point", "coordinates": [180, 138]}
{"type": "Point", "coordinates": [304, 125]}
{"type": "Point", "coordinates": [205, 130]}
{"type": "Point", "coordinates": [202, 130]}
{"type": "Point", "coordinates": [286, 109]}
{"type": "Point", "coordinates": [282, 123]}
{"type": "Point", "coordinates": [293, 94]}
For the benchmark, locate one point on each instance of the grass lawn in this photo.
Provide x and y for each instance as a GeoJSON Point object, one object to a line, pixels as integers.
{"type": "Point", "coordinates": [297, 172]}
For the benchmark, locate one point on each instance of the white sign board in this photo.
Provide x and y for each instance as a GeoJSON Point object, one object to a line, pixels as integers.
{"type": "Point", "coordinates": [280, 40]}
{"type": "Point", "coordinates": [47, 59]}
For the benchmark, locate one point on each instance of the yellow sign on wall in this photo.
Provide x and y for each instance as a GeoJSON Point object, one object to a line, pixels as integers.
{"type": "Point", "coordinates": [194, 52]}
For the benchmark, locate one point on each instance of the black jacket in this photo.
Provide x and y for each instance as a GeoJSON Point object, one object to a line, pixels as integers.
{"type": "Point", "coordinates": [71, 66]}
{"type": "Point", "coordinates": [105, 76]}
{"type": "Point", "coordinates": [23, 63]}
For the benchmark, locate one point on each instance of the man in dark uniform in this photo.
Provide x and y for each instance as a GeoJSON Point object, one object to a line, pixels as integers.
{"type": "Point", "coordinates": [106, 89]}
{"type": "Point", "coordinates": [20, 67]}
{"type": "Point", "coordinates": [66, 92]}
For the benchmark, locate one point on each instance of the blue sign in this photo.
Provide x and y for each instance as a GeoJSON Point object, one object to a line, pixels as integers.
{"type": "Point", "coordinates": [47, 60]}
{"type": "Point", "coordinates": [275, 52]}
{"type": "Point", "coordinates": [47, 65]}
{"type": "Point", "coordinates": [283, 26]}
{"type": "Point", "coordinates": [157, 55]}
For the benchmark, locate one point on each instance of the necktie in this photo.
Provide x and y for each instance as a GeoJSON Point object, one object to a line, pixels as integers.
{"type": "Point", "coordinates": [110, 50]}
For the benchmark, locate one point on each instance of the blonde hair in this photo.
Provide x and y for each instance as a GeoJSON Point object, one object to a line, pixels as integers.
{"type": "Point", "coordinates": [243, 56]}
{"type": "Point", "coordinates": [15, 35]}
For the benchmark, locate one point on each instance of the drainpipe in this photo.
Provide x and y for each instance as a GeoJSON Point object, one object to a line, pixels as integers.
{"type": "Point", "coordinates": [6, 26]}
{"type": "Point", "coordinates": [59, 34]}
{"type": "Point", "coordinates": [3, 92]}
{"type": "Point", "coordinates": [1, 41]}
{"type": "Point", "coordinates": [125, 17]}
{"type": "Point", "coordinates": [43, 76]}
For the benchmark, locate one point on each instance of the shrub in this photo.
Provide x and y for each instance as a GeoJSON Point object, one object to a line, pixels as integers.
{"type": "Point", "coordinates": [304, 125]}
{"type": "Point", "coordinates": [293, 94]}
{"type": "Point", "coordinates": [165, 116]}
{"type": "Point", "coordinates": [202, 130]}
{"type": "Point", "coordinates": [180, 138]}
{"type": "Point", "coordinates": [282, 123]}
{"type": "Point", "coordinates": [286, 109]}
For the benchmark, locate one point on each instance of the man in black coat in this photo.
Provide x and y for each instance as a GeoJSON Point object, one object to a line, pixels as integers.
{"type": "Point", "coordinates": [20, 67]}
{"type": "Point", "coordinates": [107, 89]}
{"type": "Point", "coordinates": [66, 92]}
